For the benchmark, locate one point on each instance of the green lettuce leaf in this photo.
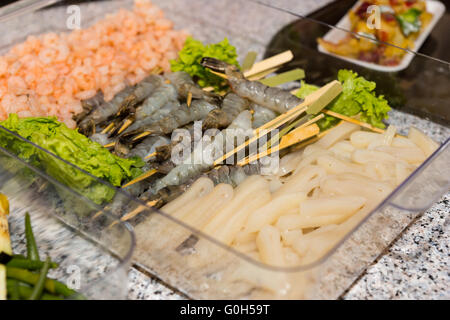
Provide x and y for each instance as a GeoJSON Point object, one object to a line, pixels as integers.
{"type": "Point", "coordinates": [357, 98]}
{"type": "Point", "coordinates": [73, 147]}
{"type": "Point", "coordinates": [190, 56]}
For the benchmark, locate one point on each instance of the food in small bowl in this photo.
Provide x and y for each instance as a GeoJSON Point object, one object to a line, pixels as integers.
{"type": "Point", "coordinates": [401, 22]}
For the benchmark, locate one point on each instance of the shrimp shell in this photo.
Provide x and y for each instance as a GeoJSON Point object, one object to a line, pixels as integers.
{"type": "Point", "coordinates": [272, 98]}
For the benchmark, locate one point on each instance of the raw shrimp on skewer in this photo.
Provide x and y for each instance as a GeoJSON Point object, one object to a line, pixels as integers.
{"type": "Point", "coordinates": [193, 166]}
{"type": "Point", "coordinates": [140, 92]}
{"type": "Point", "coordinates": [152, 91]}
{"type": "Point", "coordinates": [162, 95]}
{"type": "Point", "coordinates": [272, 98]}
{"type": "Point", "coordinates": [148, 146]}
{"type": "Point", "coordinates": [101, 138]}
{"type": "Point", "coordinates": [232, 175]}
{"type": "Point", "coordinates": [198, 110]}
{"type": "Point", "coordinates": [261, 115]}
{"type": "Point", "coordinates": [185, 85]}
{"type": "Point", "coordinates": [232, 105]}
{"type": "Point", "coordinates": [103, 112]}
{"type": "Point", "coordinates": [165, 111]}
{"type": "Point", "coordinates": [89, 105]}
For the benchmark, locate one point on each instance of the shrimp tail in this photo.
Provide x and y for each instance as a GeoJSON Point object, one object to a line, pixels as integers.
{"type": "Point", "coordinates": [87, 127]}
{"type": "Point", "coordinates": [214, 64]}
{"type": "Point", "coordinates": [230, 70]}
{"type": "Point", "coordinates": [217, 118]}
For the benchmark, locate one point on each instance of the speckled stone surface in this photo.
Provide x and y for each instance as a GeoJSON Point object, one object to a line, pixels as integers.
{"type": "Point", "coordinates": [415, 266]}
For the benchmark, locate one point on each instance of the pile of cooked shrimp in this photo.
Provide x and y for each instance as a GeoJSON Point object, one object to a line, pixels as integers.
{"type": "Point", "coordinates": [49, 75]}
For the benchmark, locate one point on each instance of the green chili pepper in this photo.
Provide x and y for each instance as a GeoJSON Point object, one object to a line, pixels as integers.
{"type": "Point", "coordinates": [24, 263]}
{"type": "Point", "coordinates": [52, 286]}
{"type": "Point", "coordinates": [32, 250]}
{"type": "Point", "coordinates": [39, 287]}
{"type": "Point", "coordinates": [13, 290]}
{"type": "Point", "coordinates": [25, 291]}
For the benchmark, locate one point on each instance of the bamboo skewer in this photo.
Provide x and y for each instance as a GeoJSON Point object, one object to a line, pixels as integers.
{"type": "Point", "coordinates": [138, 210]}
{"type": "Point", "coordinates": [126, 124]}
{"type": "Point", "coordinates": [299, 135]}
{"type": "Point", "coordinates": [142, 135]}
{"type": "Point", "coordinates": [141, 177]}
{"type": "Point", "coordinates": [272, 62]}
{"type": "Point", "coordinates": [108, 128]}
{"type": "Point", "coordinates": [355, 121]}
{"type": "Point", "coordinates": [262, 74]}
{"type": "Point", "coordinates": [265, 67]}
{"type": "Point", "coordinates": [151, 155]}
{"type": "Point", "coordinates": [303, 132]}
{"type": "Point", "coordinates": [189, 99]}
{"type": "Point", "coordinates": [316, 100]}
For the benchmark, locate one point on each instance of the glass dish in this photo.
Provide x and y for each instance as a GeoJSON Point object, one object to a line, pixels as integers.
{"type": "Point", "coordinates": [228, 274]}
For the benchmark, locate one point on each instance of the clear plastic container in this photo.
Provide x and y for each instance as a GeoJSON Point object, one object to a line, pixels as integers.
{"type": "Point", "coordinates": [94, 254]}
{"type": "Point", "coordinates": [204, 268]}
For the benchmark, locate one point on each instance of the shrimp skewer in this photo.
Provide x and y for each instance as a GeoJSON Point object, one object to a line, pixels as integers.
{"type": "Point", "coordinates": [139, 93]}
{"type": "Point", "coordinates": [89, 105]}
{"type": "Point", "coordinates": [204, 150]}
{"type": "Point", "coordinates": [160, 97]}
{"type": "Point", "coordinates": [272, 98]}
{"type": "Point", "coordinates": [218, 118]}
{"type": "Point", "coordinates": [180, 86]}
{"type": "Point", "coordinates": [198, 110]}
{"type": "Point", "coordinates": [233, 175]}
{"type": "Point", "coordinates": [158, 115]}
{"type": "Point", "coordinates": [261, 115]}
{"type": "Point", "coordinates": [185, 86]}
{"type": "Point", "coordinates": [103, 112]}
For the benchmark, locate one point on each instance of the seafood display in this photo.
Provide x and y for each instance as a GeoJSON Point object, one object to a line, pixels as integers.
{"type": "Point", "coordinates": [221, 171]}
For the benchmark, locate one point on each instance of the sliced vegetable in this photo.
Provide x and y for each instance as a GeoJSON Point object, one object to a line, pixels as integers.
{"type": "Point", "coordinates": [285, 77]}
{"type": "Point", "coordinates": [5, 242]}
{"type": "Point", "coordinates": [249, 60]}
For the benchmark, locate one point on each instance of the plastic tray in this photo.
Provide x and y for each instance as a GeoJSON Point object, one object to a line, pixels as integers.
{"type": "Point", "coordinates": [227, 273]}
{"type": "Point", "coordinates": [94, 258]}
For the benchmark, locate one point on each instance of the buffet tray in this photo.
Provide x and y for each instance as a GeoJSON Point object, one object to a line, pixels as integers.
{"type": "Point", "coordinates": [230, 274]}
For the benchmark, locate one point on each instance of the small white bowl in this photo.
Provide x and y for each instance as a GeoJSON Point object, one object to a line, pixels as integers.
{"type": "Point", "coordinates": [437, 8]}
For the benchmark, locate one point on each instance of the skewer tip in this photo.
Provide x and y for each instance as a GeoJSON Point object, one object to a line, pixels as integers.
{"type": "Point", "coordinates": [109, 145]}
{"type": "Point", "coordinates": [125, 125]}
{"type": "Point", "coordinates": [151, 155]}
{"type": "Point", "coordinates": [143, 134]}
